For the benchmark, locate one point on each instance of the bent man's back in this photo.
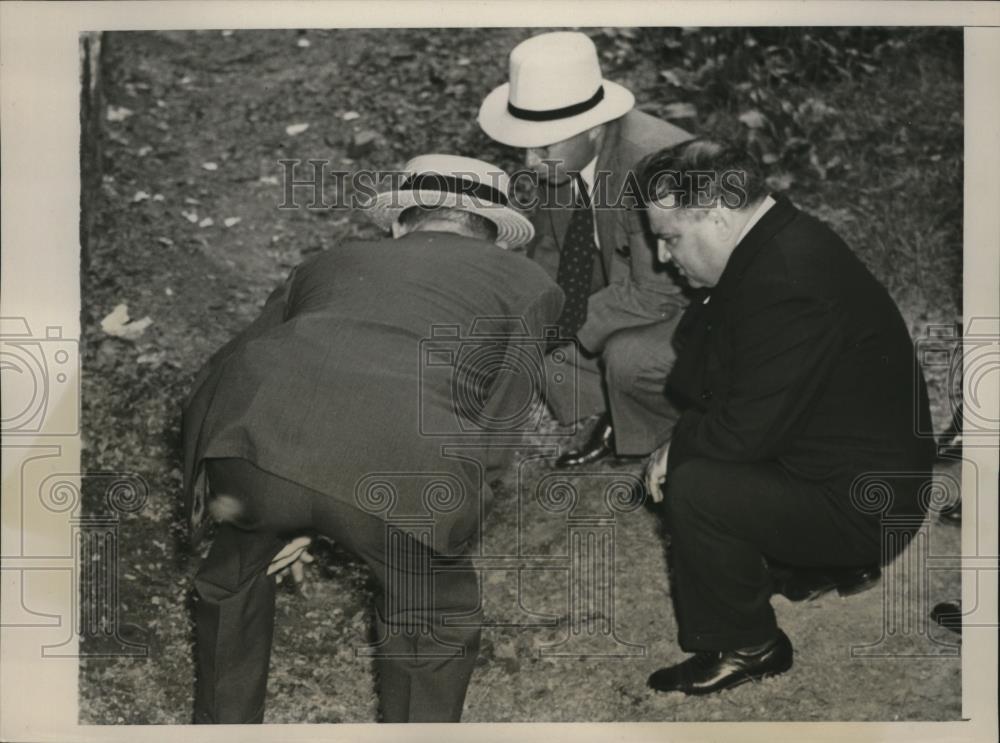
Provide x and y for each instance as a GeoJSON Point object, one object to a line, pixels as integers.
{"type": "Point", "coordinates": [336, 388]}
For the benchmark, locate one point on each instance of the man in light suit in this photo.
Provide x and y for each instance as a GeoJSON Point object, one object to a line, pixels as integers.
{"type": "Point", "coordinates": [328, 416]}
{"type": "Point", "coordinates": [798, 440]}
{"type": "Point", "coordinates": [583, 139]}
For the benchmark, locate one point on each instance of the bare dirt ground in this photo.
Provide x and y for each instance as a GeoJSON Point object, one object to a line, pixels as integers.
{"type": "Point", "coordinates": [865, 132]}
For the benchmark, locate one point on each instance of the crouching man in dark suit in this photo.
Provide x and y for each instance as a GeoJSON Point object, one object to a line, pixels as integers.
{"type": "Point", "coordinates": [325, 416]}
{"type": "Point", "coordinates": [796, 377]}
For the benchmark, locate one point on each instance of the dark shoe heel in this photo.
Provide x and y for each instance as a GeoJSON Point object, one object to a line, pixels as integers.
{"type": "Point", "coordinates": [864, 581]}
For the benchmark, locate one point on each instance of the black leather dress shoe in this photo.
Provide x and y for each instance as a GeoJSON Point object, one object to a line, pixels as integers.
{"type": "Point", "coordinates": [952, 516]}
{"type": "Point", "coordinates": [949, 445]}
{"type": "Point", "coordinates": [948, 614]}
{"type": "Point", "coordinates": [600, 444]}
{"type": "Point", "coordinates": [706, 672]}
{"type": "Point", "coordinates": [809, 584]}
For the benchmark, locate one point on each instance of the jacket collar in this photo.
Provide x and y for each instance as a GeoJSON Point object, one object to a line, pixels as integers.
{"type": "Point", "coordinates": [611, 231]}
{"type": "Point", "coordinates": [743, 255]}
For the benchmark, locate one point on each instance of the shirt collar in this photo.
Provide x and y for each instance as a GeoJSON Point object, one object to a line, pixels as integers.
{"type": "Point", "coordinates": [766, 204]}
{"type": "Point", "coordinates": [587, 174]}
{"type": "Point", "coordinates": [776, 218]}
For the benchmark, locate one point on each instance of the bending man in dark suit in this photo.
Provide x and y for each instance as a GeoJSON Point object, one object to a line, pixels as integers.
{"type": "Point", "coordinates": [797, 379]}
{"type": "Point", "coordinates": [328, 415]}
{"type": "Point", "coordinates": [583, 139]}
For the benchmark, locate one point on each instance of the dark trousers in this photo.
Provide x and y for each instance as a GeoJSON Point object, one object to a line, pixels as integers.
{"type": "Point", "coordinates": [724, 518]}
{"type": "Point", "coordinates": [427, 620]}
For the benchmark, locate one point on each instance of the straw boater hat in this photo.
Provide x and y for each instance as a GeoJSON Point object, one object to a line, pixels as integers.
{"type": "Point", "coordinates": [555, 92]}
{"type": "Point", "coordinates": [458, 182]}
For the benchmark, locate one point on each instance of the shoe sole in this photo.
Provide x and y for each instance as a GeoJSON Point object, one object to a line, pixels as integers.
{"type": "Point", "coordinates": [812, 595]}
{"type": "Point", "coordinates": [843, 590]}
{"type": "Point", "coordinates": [740, 682]}
{"type": "Point", "coordinates": [556, 465]}
{"type": "Point", "coordinates": [853, 589]}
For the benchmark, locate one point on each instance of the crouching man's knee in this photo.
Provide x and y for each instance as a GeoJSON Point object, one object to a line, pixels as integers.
{"type": "Point", "coordinates": [690, 491]}
{"type": "Point", "coordinates": [621, 355]}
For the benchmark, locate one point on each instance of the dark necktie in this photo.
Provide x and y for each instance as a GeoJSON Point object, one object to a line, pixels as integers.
{"type": "Point", "coordinates": [576, 262]}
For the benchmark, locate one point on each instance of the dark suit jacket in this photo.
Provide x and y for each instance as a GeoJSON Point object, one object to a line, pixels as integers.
{"type": "Point", "coordinates": [800, 357]}
{"type": "Point", "coordinates": [333, 387]}
{"type": "Point", "coordinates": [629, 287]}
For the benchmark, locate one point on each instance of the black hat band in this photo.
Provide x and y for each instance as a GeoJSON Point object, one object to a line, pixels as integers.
{"type": "Point", "coordinates": [553, 114]}
{"type": "Point", "coordinates": [451, 184]}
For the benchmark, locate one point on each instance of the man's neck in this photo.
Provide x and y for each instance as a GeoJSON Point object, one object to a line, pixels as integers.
{"type": "Point", "coordinates": [749, 216]}
{"type": "Point", "coordinates": [742, 217]}
{"type": "Point", "coordinates": [445, 226]}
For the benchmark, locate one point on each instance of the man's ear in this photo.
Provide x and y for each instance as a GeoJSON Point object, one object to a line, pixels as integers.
{"type": "Point", "coordinates": [595, 135]}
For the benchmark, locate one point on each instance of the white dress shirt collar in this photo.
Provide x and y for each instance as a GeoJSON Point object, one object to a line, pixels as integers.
{"type": "Point", "coordinates": [766, 204]}
{"type": "Point", "coordinates": [587, 174]}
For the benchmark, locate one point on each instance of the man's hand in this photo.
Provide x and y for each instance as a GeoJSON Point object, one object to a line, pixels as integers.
{"type": "Point", "coordinates": [656, 472]}
{"type": "Point", "coordinates": [291, 558]}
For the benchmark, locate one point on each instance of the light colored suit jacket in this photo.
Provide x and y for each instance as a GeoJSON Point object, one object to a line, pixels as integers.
{"type": "Point", "coordinates": [630, 286]}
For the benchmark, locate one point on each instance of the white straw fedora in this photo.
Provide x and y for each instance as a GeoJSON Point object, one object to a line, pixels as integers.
{"type": "Point", "coordinates": [457, 182]}
{"type": "Point", "coordinates": [555, 91]}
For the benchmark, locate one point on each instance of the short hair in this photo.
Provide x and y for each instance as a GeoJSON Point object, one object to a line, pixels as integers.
{"type": "Point", "coordinates": [703, 173]}
{"type": "Point", "coordinates": [415, 216]}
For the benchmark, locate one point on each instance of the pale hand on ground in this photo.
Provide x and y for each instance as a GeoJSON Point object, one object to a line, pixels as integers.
{"type": "Point", "coordinates": [656, 472]}
{"type": "Point", "coordinates": [291, 558]}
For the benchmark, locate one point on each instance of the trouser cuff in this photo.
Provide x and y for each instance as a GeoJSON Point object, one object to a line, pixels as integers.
{"type": "Point", "coordinates": [693, 642]}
